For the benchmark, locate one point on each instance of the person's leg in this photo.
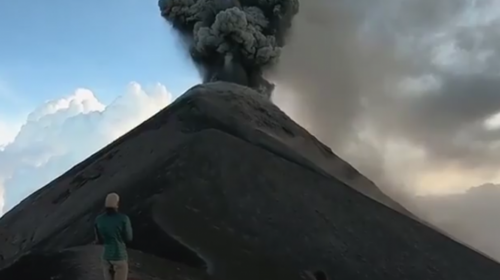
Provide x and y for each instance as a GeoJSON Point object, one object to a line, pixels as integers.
{"type": "Point", "coordinates": [121, 270]}
{"type": "Point", "coordinates": [106, 269]}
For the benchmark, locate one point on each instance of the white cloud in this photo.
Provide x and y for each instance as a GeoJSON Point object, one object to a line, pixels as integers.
{"type": "Point", "coordinates": [7, 133]}
{"type": "Point", "coordinates": [63, 132]}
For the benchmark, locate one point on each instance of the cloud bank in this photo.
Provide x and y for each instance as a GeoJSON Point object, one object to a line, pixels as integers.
{"type": "Point", "coordinates": [63, 132]}
{"type": "Point", "coordinates": [408, 92]}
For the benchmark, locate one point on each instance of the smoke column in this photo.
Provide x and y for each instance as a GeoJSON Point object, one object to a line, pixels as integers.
{"type": "Point", "coordinates": [405, 91]}
{"type": "Point", "coordinates": [233, 40]}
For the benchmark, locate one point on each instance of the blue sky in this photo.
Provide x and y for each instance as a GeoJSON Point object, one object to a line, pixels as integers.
{"type": "Point", "coordinates": [50, 48]}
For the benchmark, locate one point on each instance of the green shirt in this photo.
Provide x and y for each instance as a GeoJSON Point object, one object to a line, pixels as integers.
{"type": "Point", "coordinates": [113, 230]}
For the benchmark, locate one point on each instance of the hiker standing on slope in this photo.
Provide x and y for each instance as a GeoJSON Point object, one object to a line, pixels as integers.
{"type": "Point", "coordinates": [113, 229]}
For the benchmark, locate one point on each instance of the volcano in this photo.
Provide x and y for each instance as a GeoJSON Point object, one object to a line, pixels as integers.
{"type": "Point", "coordinates": [222, 184]}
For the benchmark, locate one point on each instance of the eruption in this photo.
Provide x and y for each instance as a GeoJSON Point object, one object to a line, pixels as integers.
{"type": "Point", "coordinates": [233, 40]}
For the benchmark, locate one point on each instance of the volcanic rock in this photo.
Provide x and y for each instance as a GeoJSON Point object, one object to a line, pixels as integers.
{"type": "Point", "coordinates": [222, 184]}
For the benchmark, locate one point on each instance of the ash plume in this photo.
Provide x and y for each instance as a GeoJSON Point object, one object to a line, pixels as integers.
{"type": "Point", "coordinates": [419, 73]}
{"type": "Point", "coordinates": [233, 40]}
{"type": "Point", "coordinates": [405, 91]}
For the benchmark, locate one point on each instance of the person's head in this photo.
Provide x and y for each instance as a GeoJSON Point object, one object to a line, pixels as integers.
{"type": "Point", "coordinates": [112, 201]}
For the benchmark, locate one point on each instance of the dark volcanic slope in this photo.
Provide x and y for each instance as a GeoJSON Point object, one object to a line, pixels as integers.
{"type": "Point", "coordinates": [223, 179]}
{"type": "Point", "coordinates": [84, 263]}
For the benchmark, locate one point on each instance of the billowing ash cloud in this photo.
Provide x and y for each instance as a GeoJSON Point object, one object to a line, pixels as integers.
{"type": "Point", "coordinates": [370, 77]}
{"type": "Point", "coordinates": [405, 90]}
{"type": "Point", "coordinates": [233, 40]}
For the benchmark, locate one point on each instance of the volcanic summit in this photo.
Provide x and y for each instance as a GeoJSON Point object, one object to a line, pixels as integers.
{"type": "Point", "coordinates": [222, 184]}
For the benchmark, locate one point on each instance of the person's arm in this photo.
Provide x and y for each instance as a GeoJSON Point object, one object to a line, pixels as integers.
{"type": "Point", "coordinates": [98, 238]}
{"type": "Point", "coordinates": [127, 230]}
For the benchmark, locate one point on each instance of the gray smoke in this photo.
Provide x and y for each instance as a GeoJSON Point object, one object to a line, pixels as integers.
{"type": "Point", "coordinates": [402, 90]}
{"type": "Point", "coordinates": [422, 72]}
{"type": "Point", "coordinates": [233, 40]}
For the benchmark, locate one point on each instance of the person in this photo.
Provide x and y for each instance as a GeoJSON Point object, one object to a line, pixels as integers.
{"type": "Point", "coordinates": [113, 230]}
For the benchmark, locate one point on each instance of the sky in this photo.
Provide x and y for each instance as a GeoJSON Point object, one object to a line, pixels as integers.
{"type": "Point", "coordinates": [406, 91]}
{"type": "Point", "coordinates": [48, 50]}
{"type": "Point", "coordinates": [72, 59]}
